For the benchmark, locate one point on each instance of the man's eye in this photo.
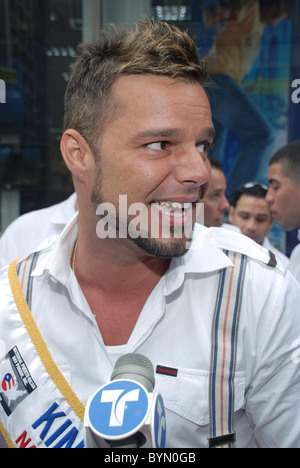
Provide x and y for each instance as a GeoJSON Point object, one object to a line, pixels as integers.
{"type": "Point", "coordinates": [158, 145]}
{"type": "Point", "coordinates": [203, 147]}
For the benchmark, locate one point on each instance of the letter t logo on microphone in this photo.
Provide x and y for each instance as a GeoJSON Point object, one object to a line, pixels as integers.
{"type": "Point", "coordinates": [119, 399]}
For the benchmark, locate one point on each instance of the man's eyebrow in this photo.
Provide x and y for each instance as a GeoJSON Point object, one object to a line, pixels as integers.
{"type": "Point", "coordinates": [243, 212]}
{"type": "Point", "coordinates": [208, 132]}
{"type": "Point", "coordinates": [160, 133]}
{"type": "Point", "coordinates": [248, 213]}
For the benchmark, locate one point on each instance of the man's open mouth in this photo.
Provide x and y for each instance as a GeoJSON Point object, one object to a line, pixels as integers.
{"type": "Point", "coordinates": [171, 208]}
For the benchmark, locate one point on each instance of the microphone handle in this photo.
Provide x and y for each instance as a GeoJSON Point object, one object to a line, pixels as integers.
{"type": "Point", "coordinates": [135, 441]}
{"type": "Point", "coordinates": [129, 442]}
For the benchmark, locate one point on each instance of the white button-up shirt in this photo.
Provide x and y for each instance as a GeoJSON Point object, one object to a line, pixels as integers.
{"type": "Point", "coordinates": [174, 330]}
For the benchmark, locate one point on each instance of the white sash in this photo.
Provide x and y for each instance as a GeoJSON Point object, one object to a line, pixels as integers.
{"type": "Point", "coordinates": [38, 408]}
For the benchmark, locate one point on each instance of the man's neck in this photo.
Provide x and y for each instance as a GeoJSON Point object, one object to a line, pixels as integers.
{"type": "Point", "coordinates": [116, 285]}
{"type": "Point", "coordinates": [115, 263]}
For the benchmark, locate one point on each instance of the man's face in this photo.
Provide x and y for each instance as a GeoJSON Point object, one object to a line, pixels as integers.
{"type": "Point", "coordinates": [215, 201]}
{"type": "Point", "coordinates": [284, 198]}
{"type": "Point", "coordinates": [155, 153]}
{"type": "Point", "coordinates": [253, 216]}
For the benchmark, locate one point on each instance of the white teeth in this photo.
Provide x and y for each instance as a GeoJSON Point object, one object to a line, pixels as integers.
{"type": "Point", "coordinates": [175, 209]}
{"type": "Point", "coordinates": [177, 205]}
{"type": "Point", "coordinates": [174, 205]}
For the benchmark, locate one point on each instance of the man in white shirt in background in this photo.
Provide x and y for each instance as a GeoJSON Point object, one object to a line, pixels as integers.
{"type": "Point", "coordinates": [138, 127]}
{"type": "Point", "coordinates": [251, 213]}
{"type": "Point", "coordinates": [284, 194]}
{"type": "Point", "coordinates": [30, 230]}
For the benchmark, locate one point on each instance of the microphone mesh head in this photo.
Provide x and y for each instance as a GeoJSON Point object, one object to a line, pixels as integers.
{"type": "Point", "coordinates": [135, 359]}
{"type": "Point", "coordinates": [137, 367]}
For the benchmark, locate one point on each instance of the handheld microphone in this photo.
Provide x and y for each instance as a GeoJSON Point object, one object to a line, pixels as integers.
{"type": "Point", "coordinates": [125, 413]}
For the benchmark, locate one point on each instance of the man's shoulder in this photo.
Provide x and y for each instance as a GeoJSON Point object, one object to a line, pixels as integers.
{"type": "Point", "coordinates": [28, 219]}
{"type": "Point", "coordinates": [42, 216]}
{"type": "Point", "coordinates": [296, 252]}
{"type": "Point", "coordinates": [231, 240]}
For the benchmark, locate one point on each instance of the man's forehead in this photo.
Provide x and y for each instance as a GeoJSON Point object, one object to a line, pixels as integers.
{"type": "Point", "coordinates": [147, 86]}
{"type": "Point", "coordinates": [252, 201]}
{"type": "Point", "coordinates": [278, 169]}
{"type": "Point", "coordinates": [158, 105]}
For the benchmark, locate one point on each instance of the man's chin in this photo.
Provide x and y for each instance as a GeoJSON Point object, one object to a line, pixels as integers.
{"type": "Point", "coordinates": [163, 248]}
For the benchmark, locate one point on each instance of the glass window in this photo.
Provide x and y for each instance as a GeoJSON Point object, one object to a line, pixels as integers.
{"type": "Point", "coordinates": [37, 45]}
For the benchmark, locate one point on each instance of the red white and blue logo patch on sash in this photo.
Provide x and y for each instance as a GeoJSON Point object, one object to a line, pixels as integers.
{"type": "Point", "coordinates": [8, 382]}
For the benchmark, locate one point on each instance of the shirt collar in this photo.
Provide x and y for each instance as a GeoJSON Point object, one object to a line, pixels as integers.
{"type": "Point", "coordinates": [203, 257]}
{"type": "Point", "coordinates": [56, 257]}
{"type": "Point", "coordinates": [64, 211]}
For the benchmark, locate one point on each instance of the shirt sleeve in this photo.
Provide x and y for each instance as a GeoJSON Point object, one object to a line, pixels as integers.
{"type": "Point", "coordinates": [273, 397]}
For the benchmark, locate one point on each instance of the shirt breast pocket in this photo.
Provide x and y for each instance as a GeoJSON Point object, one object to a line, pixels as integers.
{"type": "Point", "coordinates": [187, 394]}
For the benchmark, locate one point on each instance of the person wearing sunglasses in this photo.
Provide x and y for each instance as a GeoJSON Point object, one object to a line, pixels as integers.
{"type": "Point", "coordinates": [251, 213]}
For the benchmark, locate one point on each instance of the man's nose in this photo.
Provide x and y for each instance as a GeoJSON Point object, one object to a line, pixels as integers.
{"type": "Point", "coordinates": [251, 226]}
{"type": "Point", "coordinates": [270, 197]}
{"type": "Point", "coordinates": [225, 204]}
{"type": "Point", "coordinates": [193, 168]}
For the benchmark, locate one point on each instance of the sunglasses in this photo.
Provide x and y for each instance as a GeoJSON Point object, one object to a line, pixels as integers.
{"type": "Point", "coordinates": [255, 184]}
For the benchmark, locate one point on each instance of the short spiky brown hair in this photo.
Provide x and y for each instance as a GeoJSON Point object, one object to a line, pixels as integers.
{"type": "Point", "coordinates": [152, 47]}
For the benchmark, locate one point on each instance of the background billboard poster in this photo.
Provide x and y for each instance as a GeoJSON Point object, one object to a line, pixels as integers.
{"type": "Point", "coordinates": [247, 45]}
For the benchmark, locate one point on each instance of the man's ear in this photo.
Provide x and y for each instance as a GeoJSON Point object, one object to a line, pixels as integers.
{"type": "Point", "coordinates": [76, 152]}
